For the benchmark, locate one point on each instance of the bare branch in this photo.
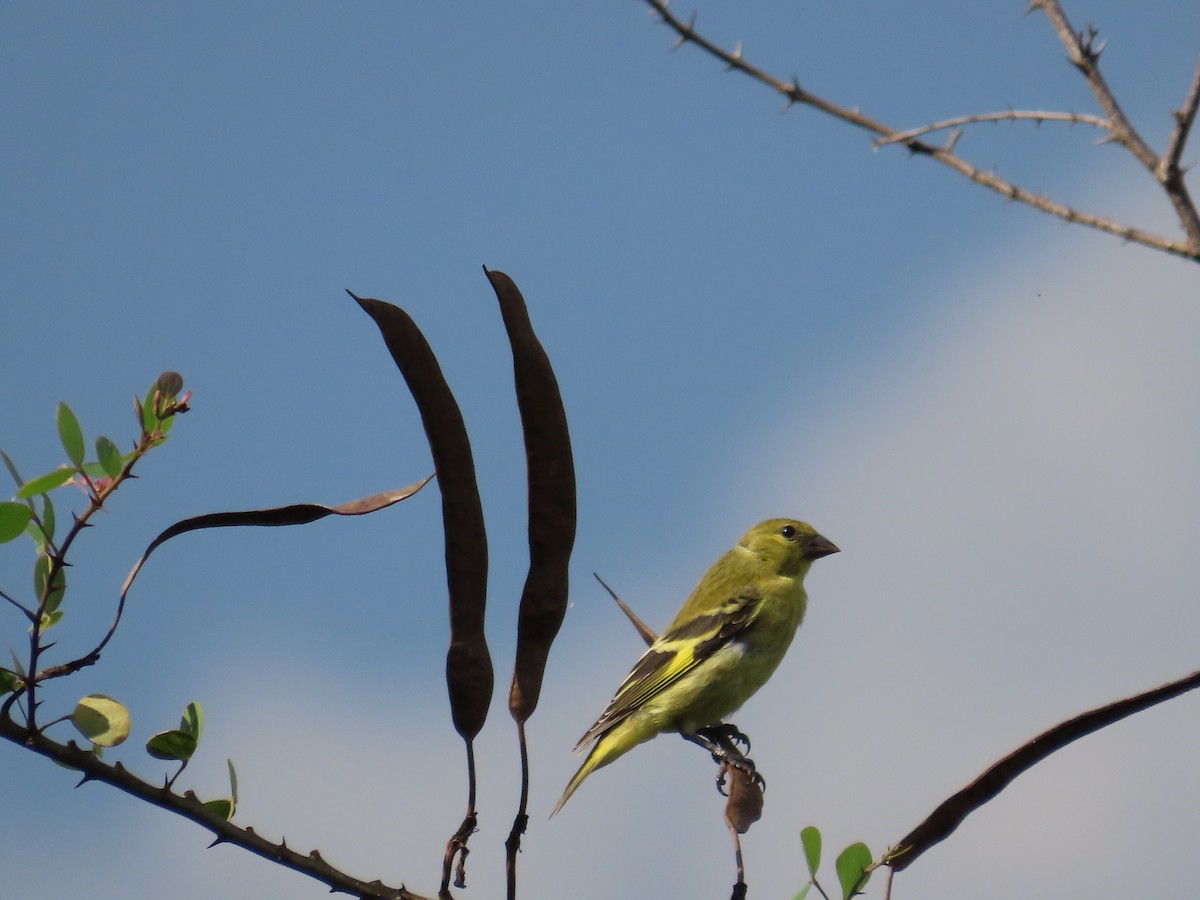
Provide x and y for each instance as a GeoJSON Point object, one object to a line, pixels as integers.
{"type": "Point", "coordinates": [792, 93]}
{"type": "Point", "coordinates": [1010, 115]}
{"type": "Point", "coordinates": [1084, 54]}
{"type": "Point", "coordinates": [190, 807]}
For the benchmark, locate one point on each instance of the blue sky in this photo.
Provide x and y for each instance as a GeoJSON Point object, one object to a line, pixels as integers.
{"type": "Point", "coordinates": [751, 314]}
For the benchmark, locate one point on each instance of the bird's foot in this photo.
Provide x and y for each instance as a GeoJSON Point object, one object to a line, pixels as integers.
{"type": "Point", "coordinates": [727, 734]}
{"type": "Point", "coordinates": [722, 740]}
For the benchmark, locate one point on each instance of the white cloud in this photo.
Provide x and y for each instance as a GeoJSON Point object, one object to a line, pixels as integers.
{"type": "Point", "coordinates": [1016, 495]}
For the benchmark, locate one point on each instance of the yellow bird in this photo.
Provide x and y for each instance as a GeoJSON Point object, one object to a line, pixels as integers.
{"type": "Point", "coordinates": [723, 645]}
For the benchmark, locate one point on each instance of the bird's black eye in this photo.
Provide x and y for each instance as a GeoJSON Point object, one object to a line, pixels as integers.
{"type": "Point", "coordinates": [788, 531]}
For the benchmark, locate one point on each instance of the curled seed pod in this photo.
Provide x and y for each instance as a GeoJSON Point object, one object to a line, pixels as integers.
{"type": "Point", "coordinates": [469, 675]}
{"type": "Point", "coordinates": [551, 473]}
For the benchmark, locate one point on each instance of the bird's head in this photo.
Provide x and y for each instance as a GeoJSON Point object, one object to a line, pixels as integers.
{"type": "Point", "coordinates": [790, 544]}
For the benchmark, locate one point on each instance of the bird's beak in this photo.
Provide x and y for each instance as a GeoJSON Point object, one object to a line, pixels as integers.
{"type": "Point", "coordinates": [820, 546]}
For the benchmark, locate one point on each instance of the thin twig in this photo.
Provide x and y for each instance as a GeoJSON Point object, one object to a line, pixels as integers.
{"type": "Point", "coordinates": [513, 845]}
{"type": "Point", "coordinates": [146, 442]}
{"type": "Point", "coordinates": [456, 847]}
{"type": "Point", "coordinates": [1010, 115]}
{"type": "Point", "coordinates": [29, 614]}
{"type": "Point", "coordinates": [792, 93]}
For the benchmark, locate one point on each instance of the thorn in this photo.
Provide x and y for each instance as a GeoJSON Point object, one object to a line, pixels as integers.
{"type": "Point", "coordinates": [952, 140]}
{"type": "Point", "coordinates": [791, 94]}
{"type": "Point", "coordinates": [217, 840]}
{"type": "Point", "coordinates": [685, 33]}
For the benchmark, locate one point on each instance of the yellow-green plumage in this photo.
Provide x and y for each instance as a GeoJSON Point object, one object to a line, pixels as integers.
{"type": "Point", "coordinates": [722, 646]}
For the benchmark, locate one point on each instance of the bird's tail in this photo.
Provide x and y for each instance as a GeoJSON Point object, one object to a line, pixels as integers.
{"type": "Point", "coordinates": [591, 764]}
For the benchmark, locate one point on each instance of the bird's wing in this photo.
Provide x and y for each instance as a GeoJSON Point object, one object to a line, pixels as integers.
{"type": "Point", "coordinates": [675, 653]}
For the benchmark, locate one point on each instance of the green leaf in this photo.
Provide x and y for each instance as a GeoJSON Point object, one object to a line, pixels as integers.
{"type": "Point", "coordinates": [48, 522]}
{"type": "Point", "coordinates": [102, 720]}
{"type": "Point", "coordinates": [109, 456]}
{"type": "Point", "coordinates": [13, 519]}
{"type": "Point", "coordinates": [852, 871]}
{"type": "Point", "coordinates": [149, 419]}
{"type": "Point", "coordinates": [192, 721]}
{"type": "Point", "coordinates": [227, 807]}
{"type": "Point", "coordinates": [41, 571]}
{"type": "Point", "coordinates": [803, 892]}
{"type": "Point", "coordinates": [222, 809]}
{"type": "Point", "coordinates": [8, 681]}
{"type": "Point", "coordinates": [172, 745]}
{"type": "Point", "coordinates": [810, 839]}
{"type": "Point", "coordinates": [232, 780]}
{"type": "Point", "coordinates": [49, 620]}
{"type": "Point", "coordinates": [95, 470]}
{"type": "Point", "coordinates": [47, 482]}
{"type": "Point", "coordinates": [70, 434]}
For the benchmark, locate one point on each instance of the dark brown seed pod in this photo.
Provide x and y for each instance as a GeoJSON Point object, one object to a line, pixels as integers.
{"type": "Point", "coordinates": [469, 674]}
{"type": "Point", "coordinates": [551, 474]}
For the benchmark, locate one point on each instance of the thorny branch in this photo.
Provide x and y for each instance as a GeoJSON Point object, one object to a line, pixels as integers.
{"type": "Point", "coordinates": [1185, 117]}
{"type": "Point", "coordinates": [190, 807]}
{"type": "Point", "coordinates": [1035, 115]}
{"type": "Point", "coordinates": [1084, 53]}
